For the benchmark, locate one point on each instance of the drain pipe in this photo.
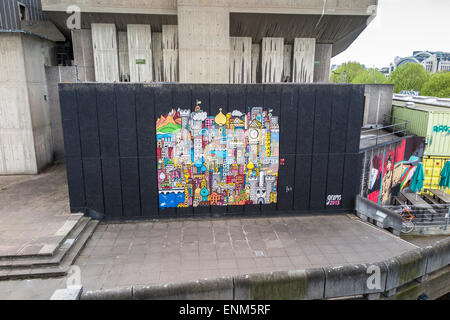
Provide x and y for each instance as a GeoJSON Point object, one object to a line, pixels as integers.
{"type": "Point", "coordinates": [323, 13]}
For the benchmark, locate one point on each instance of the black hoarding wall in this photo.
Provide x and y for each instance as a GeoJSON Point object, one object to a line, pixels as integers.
{"type": "Point", "coordinates": [110, 145]}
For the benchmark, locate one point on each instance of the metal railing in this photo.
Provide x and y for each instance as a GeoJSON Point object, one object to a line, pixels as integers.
{"type": "Point", "coordinates": [426, 214]}
{"type": "Point", "coordinates": [390, 125]}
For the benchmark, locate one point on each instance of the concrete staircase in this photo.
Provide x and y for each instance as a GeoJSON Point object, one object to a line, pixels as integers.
{"type": "Point", "coordinates": [54, 263]}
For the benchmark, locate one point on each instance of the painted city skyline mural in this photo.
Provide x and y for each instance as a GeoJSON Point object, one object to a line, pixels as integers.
{"type": "Point", "coordinates": [217, 160]}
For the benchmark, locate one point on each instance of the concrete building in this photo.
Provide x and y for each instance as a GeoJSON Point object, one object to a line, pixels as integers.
{"type": "Point", "coordinates": [27, 47]}
{"type": "Point", "coordinates": [188, 41]}
{"type": "Point", "coordinates": [215, 41]}
{"type": "Point", "coordinates": [432, 61]}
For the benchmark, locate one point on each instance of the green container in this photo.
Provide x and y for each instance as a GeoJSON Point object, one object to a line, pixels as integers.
{"type": "Point", "coordinates": [428, 121]}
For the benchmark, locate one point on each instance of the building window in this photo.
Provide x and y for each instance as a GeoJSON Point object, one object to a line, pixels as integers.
{"type": "Point", "coordinates": [23, 12]}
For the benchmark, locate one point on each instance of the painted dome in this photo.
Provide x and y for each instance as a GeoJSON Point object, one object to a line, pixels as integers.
{"type": "Point", "coordinates": [220, 119]}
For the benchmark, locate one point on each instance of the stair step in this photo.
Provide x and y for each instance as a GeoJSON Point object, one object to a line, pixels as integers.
{"type": "Point", "coordinates": [38, 271]}
{"type": "Point", "coordinates": [72, 256]}
{"type": "Point", "coordinates": [49, 261]}
{"type": "Point", "coordinates": [50, 251]}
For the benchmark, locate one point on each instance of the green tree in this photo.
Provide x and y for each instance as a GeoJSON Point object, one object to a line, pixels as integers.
{"type": "Point", "coordinates": [370, 76]}
{"type": "Point", "coordinates": [347, 72]}
{"type": "Point", "coordinates": [437, 86]}
{"type": "Point", "coordinates": [410, 76]}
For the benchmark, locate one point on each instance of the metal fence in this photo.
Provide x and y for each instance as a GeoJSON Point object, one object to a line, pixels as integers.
{"type": "Point", "coordinates": [425, 215]}
{"type": "Point", "coordinates": [391, 127]}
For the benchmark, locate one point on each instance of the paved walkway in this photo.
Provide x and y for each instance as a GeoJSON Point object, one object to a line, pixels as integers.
{"type": "Point", "coordinates": [34, 213]}
{"type": "Point", "coordinates": [161, 252]}
{"type": "Point", "coordinates": [35, 289]}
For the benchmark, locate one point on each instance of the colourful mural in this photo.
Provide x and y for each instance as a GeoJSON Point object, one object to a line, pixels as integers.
{"type": "Point", "coordinates": [218, 160]}
{"type": "Point", "coordinates": [386, 173]}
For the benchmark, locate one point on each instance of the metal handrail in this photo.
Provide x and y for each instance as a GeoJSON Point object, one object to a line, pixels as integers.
{"type": "Point", "coordinates": [394, 132]}
{"type": "Point", "coordinates": [426, 214]}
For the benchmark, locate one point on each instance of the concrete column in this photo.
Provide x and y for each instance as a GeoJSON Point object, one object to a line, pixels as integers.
{"type": "Point", "coordinates": [240, 59]}
{"type": "Point", "coordinates": [170, 52]}
{"type": "Point", "coordinates": [322, 62]}
{"type": "Point", "coordinates": [287, 59]}
{"type": "Point", "coordinates": [140, 52]}
{"type": "Point", "coordinates": [25, 126]}
{"type": "Point", "coordinates": [256, 63]}
{"type": "Point", "coordinates": [124, 58]}
{"type": "Point", "coordinates": [304, 54]}
{"type": "Point", "coordinates": [158, 62]}
{"type": "Point", "coordinates": [204, 41]}
{"type": "Point", "coordinates": [83, 54]}
{"type": "Point", "coordinates": [106, 52]}
{"type": "Point", "coordinates": [55, 75]}
{"type": "Point", "coordinates": [17, 153]}
{"type": "Point", "coordinates": [272, 51]}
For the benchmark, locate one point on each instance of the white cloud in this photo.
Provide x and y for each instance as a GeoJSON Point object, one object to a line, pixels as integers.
{"type": "Point", "coordinates": [199, 116]}
{"type": "Point", "coordinates": [237, 113]}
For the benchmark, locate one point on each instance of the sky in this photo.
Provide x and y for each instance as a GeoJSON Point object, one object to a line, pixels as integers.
{"type": "Point", "coordinates": [401, 27]}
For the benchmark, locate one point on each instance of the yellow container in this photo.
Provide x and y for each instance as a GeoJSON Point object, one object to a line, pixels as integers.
{"type": "Point", "coordinates": [432, 167]}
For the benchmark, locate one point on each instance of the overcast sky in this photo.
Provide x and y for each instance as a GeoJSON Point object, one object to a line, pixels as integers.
{"type": "Point", "coordinates": [401, 27]}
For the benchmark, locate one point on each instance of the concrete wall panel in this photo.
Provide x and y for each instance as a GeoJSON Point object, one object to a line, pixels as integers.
{"type": "Point", "coordinates": [272, 59]}
{"type": "Point", "coordinates": [303, 64]}
{"type": "Point", "coordinates": [170, 52]}
{"type": "Point", "coordinates": [140, 52]}
{"type": "Point", "coordinates": [240, 59]}
{"type": "Point", "coordinates": [378, 103]}
{"type": "Point", "coordinates": [106, 61]}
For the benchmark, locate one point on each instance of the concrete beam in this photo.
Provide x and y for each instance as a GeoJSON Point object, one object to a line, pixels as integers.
{"type": "Point", "coordinates": [317, 7]}
{"type": "Point", "coordinates": [114, 6]}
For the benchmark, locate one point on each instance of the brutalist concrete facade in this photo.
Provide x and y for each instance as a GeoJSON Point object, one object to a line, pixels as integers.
{"type": "Point", "coordinates": [203, 30]}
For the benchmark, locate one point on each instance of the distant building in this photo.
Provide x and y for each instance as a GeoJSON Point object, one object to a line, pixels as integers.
{"type": "Point", "coordinates": [432, 61]}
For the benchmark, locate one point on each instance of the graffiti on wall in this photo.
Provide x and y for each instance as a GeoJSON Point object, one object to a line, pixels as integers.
{"type": "Point", "coordinates": [334, 200]}
{"type": "Point", "coordinates": [217, 160]}
{"type": "Point", "coordinates": [441, 129]}
{"type": "Point", "coordinates": [386, 173]}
